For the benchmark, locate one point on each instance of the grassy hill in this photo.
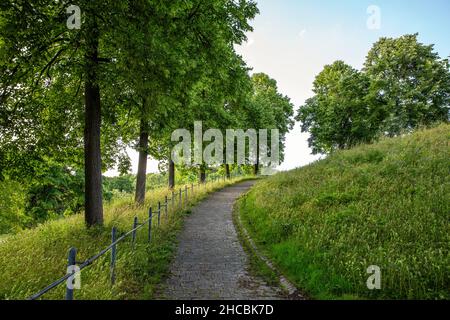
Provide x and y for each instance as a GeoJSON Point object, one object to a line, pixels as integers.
{"type": "Point", "coordinates": [386, 204]}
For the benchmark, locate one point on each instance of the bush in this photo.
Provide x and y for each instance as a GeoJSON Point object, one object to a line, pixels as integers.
{"type": "Point", "coordinates": [54, 192]}
{"type": "Point", "coordinates": [12, 202]}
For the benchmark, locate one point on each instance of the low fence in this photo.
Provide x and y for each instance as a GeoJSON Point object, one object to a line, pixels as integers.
{"type": "Point", "coordinates": [176, 201]}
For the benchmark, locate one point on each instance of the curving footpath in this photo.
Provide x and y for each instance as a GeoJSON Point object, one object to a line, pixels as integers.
{"type": "Point", "coordinates": [210, 262]}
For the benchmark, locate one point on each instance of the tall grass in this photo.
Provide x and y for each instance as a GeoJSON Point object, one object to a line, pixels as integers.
{"type": "Point", "coordinates": [32, 259]}
{"type": "Point", "coordinates": [385, 204]}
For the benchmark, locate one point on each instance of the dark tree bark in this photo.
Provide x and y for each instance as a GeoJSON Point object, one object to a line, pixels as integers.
{"type": "Point", "coordinates": [256, 169]}
{"type": "Point", "coordinates": [141, 178]}
{"type": "Point", "coordinates": [202, 174]}
{"type": "Point", "coordinates": [171, 174]}
{"type": "Point", "coordinates": [227, 171]}
{"type": "Point", "coordinates": [92, 152]}
{"type": "Point", "coordinates": [256, 166]}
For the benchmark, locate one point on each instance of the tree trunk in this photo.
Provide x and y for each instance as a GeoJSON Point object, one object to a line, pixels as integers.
{"type": "Point", "coordinates": [227, 171]}
{"type": "Point", "coordinates": [141, 178]}
{"type": "Point", "coordinates": [202, 174]}
{"type": "Point", "coordinates": [171, 174]}
{"type": "Point", "coordinates": [92, 152]}
{"type": "Point", "coordinates": [256, 166]}
{"type": "Point", "coordinates": [256, 169]}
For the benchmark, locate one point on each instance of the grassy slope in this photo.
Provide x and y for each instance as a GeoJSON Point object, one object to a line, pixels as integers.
{"type": "Point", "coordinates": [385, 204]}
{"type": "Point", "coordinates": [32, 259]}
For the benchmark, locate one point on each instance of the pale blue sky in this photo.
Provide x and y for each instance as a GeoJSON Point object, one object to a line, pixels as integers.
{"type": "Point", "coordinates": [294, 39]}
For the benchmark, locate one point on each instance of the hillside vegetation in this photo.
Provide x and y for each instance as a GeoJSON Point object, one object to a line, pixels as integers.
{"type": "Point", "coordinates": [385, 204]}
{"type": "Point", "coordinates": [32, 259]}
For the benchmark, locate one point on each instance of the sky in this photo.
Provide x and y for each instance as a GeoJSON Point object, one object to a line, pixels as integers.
{"type": "Point", "coordinates": [294, 39]}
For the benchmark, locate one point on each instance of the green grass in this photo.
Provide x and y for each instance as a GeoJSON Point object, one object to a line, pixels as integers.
{"type": "Point", "coordinates": [257, 266]}
{"type": "Point", "coordinates": [32, 259]}
{"type": "Point", "coordinates": [385, 204]}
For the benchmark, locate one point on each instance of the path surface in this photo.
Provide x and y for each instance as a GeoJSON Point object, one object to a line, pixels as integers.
{"type": "Point", "coordinates": [210, 262]}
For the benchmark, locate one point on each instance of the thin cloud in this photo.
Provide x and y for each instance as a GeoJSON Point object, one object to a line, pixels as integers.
{"type": "Point", "coordinates": [302, 34]}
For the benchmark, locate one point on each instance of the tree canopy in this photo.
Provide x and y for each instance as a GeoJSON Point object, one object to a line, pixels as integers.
{"type": "Point", "coordinates": [404, 84]}
{"type": "Point", "coordinates": [74, 99]}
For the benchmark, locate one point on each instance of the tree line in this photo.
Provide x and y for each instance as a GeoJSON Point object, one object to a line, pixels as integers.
{"type": "Point", "coordinates": [404, 84]}
{"type": "Point", "coordinates": [73, 100]}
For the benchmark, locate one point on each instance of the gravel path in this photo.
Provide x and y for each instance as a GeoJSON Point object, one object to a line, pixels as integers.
{"type": "Point", "coordinates": [210, 262]}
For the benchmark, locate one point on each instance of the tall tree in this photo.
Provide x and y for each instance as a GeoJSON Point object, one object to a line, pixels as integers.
{"type": "Point", "coordinates": [180, 43]}
{"type": "Point", "coordinates": [268, 109]}
{"type": "Point", "coordinates": [339, 115]}
{"type": "Point", "coordinates": [409, 81]}
{"type": "Point", "coordinates": [197, 89]}
{"type": "Point", "coordinates": [36, 43]}
{"type": "Point", "coordinates": [92, 151]}
{"type": "Point", "coordinates": [404, 84]}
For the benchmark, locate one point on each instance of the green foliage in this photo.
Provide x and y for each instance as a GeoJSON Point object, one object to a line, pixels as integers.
{"type": "Point", "coordinates": [117, 187]}
{"type": "Point", "coordinates": [54, 192]}
{"type": "Point", "coordinates": [12, 202]}
{"type": "Point", "coordinates": [384, 204]}
{"type": "Point", "coordinates": [404, 85]}
{"type": "Point", "coordinates": [409, 82]}
{"type": "Point", "coordinates": [269, 109]}
{"type": "Point", "coordinates": [140, 58]}
{"type": "Point", "coordinates": [339, 116]}
{"type": "Point", "coordinates": [156, 180]}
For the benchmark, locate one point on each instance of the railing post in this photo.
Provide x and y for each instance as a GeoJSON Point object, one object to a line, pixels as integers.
{"type": "Point", "coordinates": [173, 200]}
{"type": "Point", "coordinates": [135, 224]}
{"type": "Point", "coordinates": [165, 206]}
{"type": "Point", "coordinates": [150, 218]}
{"type": "Point", "coordinates": [71, 261]}
{"type": "Point", "coordinates": [113, 255]}
{"type": "Point", "coordinates": [186, 194]}
{"type": "Point", "coordinates": [159, 213]}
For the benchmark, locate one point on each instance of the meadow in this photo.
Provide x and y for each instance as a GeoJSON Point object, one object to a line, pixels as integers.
{"type": "Point", "coordinates": [384, 204]}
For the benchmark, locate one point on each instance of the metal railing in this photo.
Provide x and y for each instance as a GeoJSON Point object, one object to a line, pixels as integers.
{"type": "Point", "coordinates": [112, 248]}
